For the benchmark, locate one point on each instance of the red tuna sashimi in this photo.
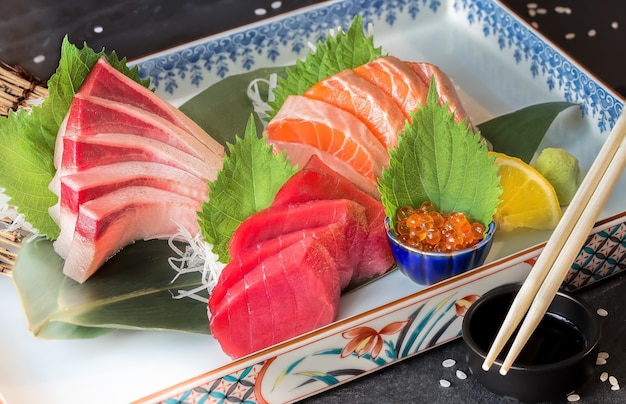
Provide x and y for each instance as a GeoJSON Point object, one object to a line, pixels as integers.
{"type": "Point", "coordinates": [365, 100]}
{"type": "Point", "coordinates": [299, 154]}
{"type": "Point", "coordinates": [332, 237]}
{"type": "Point", "coordinates": [78, 188]}
{"type": "Point", "coordinates": [107, 224]}
{"type": "Point", "coordinates": [329, 128]}
{"type": "Point", "coordinates": [106, 82]}
{"type": "Point", "coordinates": [90, 116]}
{"type": "Point", "coordinates": [286, 295]}
{"type": "Point", "coordinates": [317, 181]}
{"type": "Point", "coordinates": [84, 152]}
{"type": "Point", "coordinates": [398, 80]}
{"type": "Point", "coordinates": [445, 88]}
{"type": "Point", "coordinates": [275, 221]}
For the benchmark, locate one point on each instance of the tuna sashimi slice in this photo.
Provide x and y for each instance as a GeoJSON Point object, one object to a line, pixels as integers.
{"type": "Point", "coordinates": [332, 237]}
{"type": "Point", "coordinates": [106, 82]}
{"type": "Point", "coordinates": [445, 88]}
{"type": "Point", "coordinates": [365, 100]}
{"type": "Point", "coordinates": [398, 80]}
{"type": "Point", "coordinates": [107, 224]}
{"type": "Point", "coordinates": [78, 188]}
{"type": "Point", "coordinates": [299, 154]}
{"type": "Point", "coordinates": [318, 181]}
{"type": "Point", "coordinates": [276, 221]}
{"type": "Point", "coordinates": [286, 295]}
{"type": "Point", "coordinates": [329, 128]}
{"type": "Point", "coordinates": [89, 116]}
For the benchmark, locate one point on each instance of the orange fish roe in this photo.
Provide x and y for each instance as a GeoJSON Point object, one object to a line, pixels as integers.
{"type": "Point", "coordinates": [428, 230]}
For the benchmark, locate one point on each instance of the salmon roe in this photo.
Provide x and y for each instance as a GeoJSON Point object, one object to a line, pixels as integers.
{"type": "Point", "coordinates": [428, 230]}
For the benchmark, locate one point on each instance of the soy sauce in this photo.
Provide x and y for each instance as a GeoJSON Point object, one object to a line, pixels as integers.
{"type": "Point", "coordinates": [555, 339]}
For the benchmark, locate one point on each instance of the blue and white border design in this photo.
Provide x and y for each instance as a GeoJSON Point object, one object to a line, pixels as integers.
{"type": "Point", "coordinates": [279, 40]}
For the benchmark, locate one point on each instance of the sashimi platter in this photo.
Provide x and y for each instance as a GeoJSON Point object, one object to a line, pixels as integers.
{"type": "Point", "coordinates": [213, 222]}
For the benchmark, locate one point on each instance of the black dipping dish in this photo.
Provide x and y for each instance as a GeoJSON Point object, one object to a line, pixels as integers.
{"type": "Point", "coordinates": [558, 359]}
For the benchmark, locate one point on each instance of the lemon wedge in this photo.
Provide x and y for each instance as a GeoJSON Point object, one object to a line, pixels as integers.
{"type": "Point", "coordinates": [528, 199]}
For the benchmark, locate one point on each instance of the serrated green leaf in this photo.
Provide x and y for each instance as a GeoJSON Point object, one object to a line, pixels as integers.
{"type": "Point", "coordinates": [441, 161]}
{"type": "Point", "coordinates": [519, 133]}
{"type": "Point", "coordinates": [346, 50]}
{"type": "Point", "coordinates": [27, 140]}
{"type": "Point", "coordinates": [247, 183]}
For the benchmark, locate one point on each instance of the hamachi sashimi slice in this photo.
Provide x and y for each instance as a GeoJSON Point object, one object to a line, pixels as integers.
{"type": "Point", "coordinates": [275, 221]}
{"type": "Point", "coordinates": [331, 236]}
{"type": "Point", "coordinates": [84, 152]}
{"type": "Point", "coordinates": [90, 116]}
{"type": "Point", "coordinates": [300, 153]}
{"type": "Point", "coordinates": [318, 181]}
{"type": "Point", "coordinates": [79, 188]}
{"type": "Point", "coordinates": [286, 295]}
{"type": "Point", "coordinates": [107, 224]}
{"type": "Point", "coordinates": [398, 80]}
{"type": "Point", "coordinates": [445, 88]}
{"type": "Point", "coordinates": [329, 128]}
{"type": "Point", "coordinates": [106, 82]}
{"type": "Point", "coordinates": [365, 100]}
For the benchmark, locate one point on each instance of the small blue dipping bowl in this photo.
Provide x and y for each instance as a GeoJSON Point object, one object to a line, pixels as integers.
{"type": "Point", "coordinates": [426, 267]}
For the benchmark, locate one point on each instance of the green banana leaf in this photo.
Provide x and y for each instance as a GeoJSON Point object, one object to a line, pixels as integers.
{"type": "Point", "coordinates": [133, 290]}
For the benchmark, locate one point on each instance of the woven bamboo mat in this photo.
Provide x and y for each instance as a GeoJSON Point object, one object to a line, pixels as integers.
{"type": "Point", "coordinates": [18, 89]}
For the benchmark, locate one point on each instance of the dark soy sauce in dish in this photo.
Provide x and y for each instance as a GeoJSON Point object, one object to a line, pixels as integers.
{"type": "Point", "coordinates": [554, 340]}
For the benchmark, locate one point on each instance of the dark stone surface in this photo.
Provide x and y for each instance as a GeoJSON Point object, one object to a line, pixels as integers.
{"type": "Point", "coordinates": [135, 28]}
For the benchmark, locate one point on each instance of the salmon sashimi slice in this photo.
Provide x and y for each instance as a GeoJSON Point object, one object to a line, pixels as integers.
{"type": "Point", "coordinates": [398, 80]}
{"type": "Point", "coordinates": [329, 128]}
{"type": "Point", "coordinates": [373, 106]}
{"type": "Point", "coordinates": [106, 82]}
{"type": "Point", "coordinates": [445, 88]}
{"type": "Point", "coordinates": [287, 294]}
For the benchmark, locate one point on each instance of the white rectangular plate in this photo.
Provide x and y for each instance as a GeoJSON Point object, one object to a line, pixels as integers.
{"type": "Point", "coordinates": [498, 63]}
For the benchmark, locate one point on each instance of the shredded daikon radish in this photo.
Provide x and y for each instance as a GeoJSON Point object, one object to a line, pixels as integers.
{"type": "Point", "coordinates": [197, 256]}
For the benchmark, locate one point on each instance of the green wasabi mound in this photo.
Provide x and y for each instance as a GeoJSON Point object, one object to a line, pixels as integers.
{"type": "Point", "coordinates": [562, 170]}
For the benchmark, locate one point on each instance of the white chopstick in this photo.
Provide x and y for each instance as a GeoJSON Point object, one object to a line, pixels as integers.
{"type": "Point", "coordinates": [544, 280]}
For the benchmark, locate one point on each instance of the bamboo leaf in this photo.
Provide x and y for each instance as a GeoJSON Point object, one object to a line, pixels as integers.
{"type": "Point", "coordinates": [519, 133]}
{"type": "Point", "coordinates": [133, 290]}
{"type": "Point", "coordinates": [222, 110]}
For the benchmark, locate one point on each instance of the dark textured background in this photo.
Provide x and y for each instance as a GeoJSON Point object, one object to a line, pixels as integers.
{"type": "Point", "coordinates": [30, 30]}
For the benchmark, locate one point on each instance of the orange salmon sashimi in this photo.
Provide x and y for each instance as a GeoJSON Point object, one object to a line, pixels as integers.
{"type": "Point", "coordinates": [373, 106]}
{"type": "Point", "coordinates": [398, 80]}
{"type": "Point", "coordinates": [445, 88]}
{"type": "Point", "coordinates": [329, 128]}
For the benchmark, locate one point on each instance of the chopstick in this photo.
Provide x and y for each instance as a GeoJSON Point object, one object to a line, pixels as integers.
{"type": "Point", "coordinates": [562, 248]}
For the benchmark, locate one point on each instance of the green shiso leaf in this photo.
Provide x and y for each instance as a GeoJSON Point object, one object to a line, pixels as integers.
{"type": "Point", "coordinates": [519, 133]}
{"type": "Point", "coordinates": [27, 139]}
{"type": "Point", "coordinates": [346, 50]}
{"type": "Point", "coordinates": [247, 183]}
{"type": "Point", "coordinates": [441, 161]}
{"type": "Point", "coordinates": [132, 290]}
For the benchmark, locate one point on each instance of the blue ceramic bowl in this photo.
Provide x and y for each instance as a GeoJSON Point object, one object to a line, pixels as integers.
{"type": "Point", "coordinates": [426, 268]}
